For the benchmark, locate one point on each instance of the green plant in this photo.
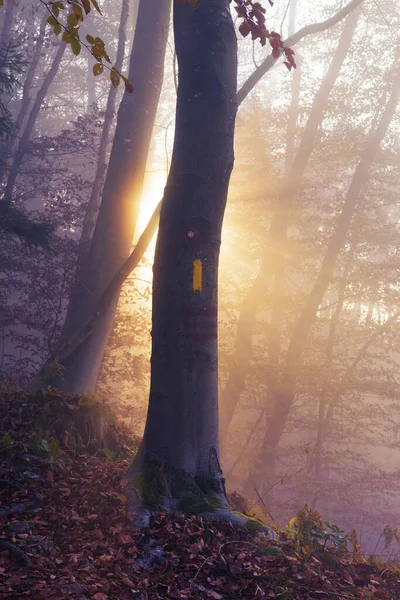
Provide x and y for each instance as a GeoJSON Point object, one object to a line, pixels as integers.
{"type": "Point", "coordinates": [88, 400]}
{"type": "Point", "coordinates": [110, 454]}
{"type": "Point", "coordinates": [48, 447]}
{"type": "Point", "coordinates": [53, 371]}
{"type": "Point", "coordinates": [311, 534]}
{"type": "Point", "coordinates": [6, 440]}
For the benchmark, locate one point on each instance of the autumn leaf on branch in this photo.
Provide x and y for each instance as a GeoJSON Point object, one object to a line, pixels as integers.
{"type": "Point", "coordinates": [68, 26]}
{"type": "Point", "coordinates": [253, 15]}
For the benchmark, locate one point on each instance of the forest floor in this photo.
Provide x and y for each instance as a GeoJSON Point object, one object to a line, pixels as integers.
{"type": "Point", "coordinates": [65, 533]}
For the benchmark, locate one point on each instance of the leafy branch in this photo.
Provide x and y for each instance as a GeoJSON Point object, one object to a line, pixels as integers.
{"type": "Point", "coordinates": [78, 10]}
{"type": "Point", "coordinates": [253, 22]}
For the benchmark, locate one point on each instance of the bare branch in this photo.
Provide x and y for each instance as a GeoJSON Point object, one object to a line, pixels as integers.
{"type": "Point", "coordinates": [270, 61]}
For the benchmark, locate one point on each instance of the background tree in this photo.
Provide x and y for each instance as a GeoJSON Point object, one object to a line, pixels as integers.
{"type": "Point", "coordinates": [115, 225]}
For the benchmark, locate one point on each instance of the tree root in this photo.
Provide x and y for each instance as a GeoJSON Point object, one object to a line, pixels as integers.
{"type": "Point", "coordinates": [22, 558]}
{"type": "Point", "coordinates": [239, 520]}
{"type": "Point", "coordinates": [154, 488]}
{"type": "Point", "coordinates": [23, 507]}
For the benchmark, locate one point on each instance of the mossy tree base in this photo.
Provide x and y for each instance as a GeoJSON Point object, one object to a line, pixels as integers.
{"type": "Point", "coordinates": [153, 487]}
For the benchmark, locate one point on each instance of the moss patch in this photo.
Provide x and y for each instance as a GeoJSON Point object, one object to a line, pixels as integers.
{"type": "Point", "coordinates": [196, 502]}
{"type": "Point", "coordinates": [252, 524]}
{"type": "Point", "coordinates": [151, 484]}
{"type": "Point", "coordinates": [161, 486]}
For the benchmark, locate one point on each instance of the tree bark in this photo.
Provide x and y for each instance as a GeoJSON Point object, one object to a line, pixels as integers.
{"type": "Point", "coordinates": [181, 430]}
{"type": "Point", "coordinates": [93, 206]}
{"type": "Point", "coordinates": [115, 227]}
{"type": "Point", "coordinates": [6, 29]}
{"type": "Point", "coordinates": [104, 302]}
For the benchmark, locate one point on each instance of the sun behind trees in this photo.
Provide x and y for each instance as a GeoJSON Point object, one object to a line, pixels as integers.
{"type": "Point", "coordinates": [308, 351]}
{"type": "Point", "coordinates": [185, 386]}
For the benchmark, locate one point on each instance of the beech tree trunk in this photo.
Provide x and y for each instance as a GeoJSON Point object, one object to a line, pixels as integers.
{"type": "Point", "coordinates": [115, 227]}
{"type": "Point", "coordinates": [181, 431]}
{"type": "Point", "coordinates": [93, 206]}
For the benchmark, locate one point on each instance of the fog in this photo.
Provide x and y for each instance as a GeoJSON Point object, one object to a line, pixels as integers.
{"type": "Point", "coordinates": [309, 331]}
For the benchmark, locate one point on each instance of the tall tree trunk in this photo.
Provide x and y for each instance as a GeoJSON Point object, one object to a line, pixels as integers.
{"type": "Point", "coordinates": [93, 206]}
{"type": "Point", "coordinates": [273, 263]}
{"type": "Point", "coordinates": [112, 239]}
{"type": "Point", "coordinates": [24, 139]}
{"type": "Point", "coordinates": [277, 289]}
{"type": "Point", "coordinates": [285, 396]}
{"type": "Point", "coordinates": [181, 431]}
{"type": "Point", "coordinates": [291, 129]}
{"type": "Point", "coordinates": [91, 84]}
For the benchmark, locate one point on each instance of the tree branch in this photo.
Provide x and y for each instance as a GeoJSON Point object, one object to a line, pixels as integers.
{"type": "Point", "coordinates": [270, 61]}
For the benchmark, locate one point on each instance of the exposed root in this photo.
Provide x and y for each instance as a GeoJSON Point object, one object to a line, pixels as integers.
{"type": "Point", "coordinates": [154, 488]}
{"type": "Point", "coordinates": [22, 558]}
{"type": "Point", "coordinates": [240, 520]}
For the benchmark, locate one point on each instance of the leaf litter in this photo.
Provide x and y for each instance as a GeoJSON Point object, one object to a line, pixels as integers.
{"type": "Point", "coordinates": [65, 534]}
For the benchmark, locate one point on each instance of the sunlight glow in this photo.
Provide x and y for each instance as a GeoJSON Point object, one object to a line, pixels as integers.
{"type": "Point", "coordinates": [153, 190]}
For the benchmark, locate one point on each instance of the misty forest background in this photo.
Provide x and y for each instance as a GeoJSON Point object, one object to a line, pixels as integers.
{"type": "Point", "coordinates": [303, 142]}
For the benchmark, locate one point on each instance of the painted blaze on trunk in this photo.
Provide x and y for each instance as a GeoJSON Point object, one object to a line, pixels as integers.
{"type": "Point", "coordinates": [180, 451]}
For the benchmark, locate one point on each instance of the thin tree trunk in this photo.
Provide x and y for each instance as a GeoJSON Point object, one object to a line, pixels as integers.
{"type": "Point", "coordinates": [24, 139]}
{"type": "Point", "coordinates": [291, 129]}
{"type": "Point", "coordinates": [278, 279]}
{"type": "Point", "coordinates": [6, 29]}
{"type": "Point", "coordinates": [330, 345]}
{"type": "Point", "coordinates": [181, 432]}
{"type": "Point", "coordinates": [94, 201]}
{"type": "Point", "coordinates": [273, 263]}
{"type": "Point", "coordinates": [26, 100]}
{"type": "Point", "coordinates": [91, 84]}
{"type": "Point", "coordinates": [103, 304]}
{"type": "Point", "coordinates": [115, 227]}
{"type": "Point", "coordinates": [307, 318]}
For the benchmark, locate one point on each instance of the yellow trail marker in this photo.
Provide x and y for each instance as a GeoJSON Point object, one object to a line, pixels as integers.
{"type": "Point", "coordinates": [197, 275]}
